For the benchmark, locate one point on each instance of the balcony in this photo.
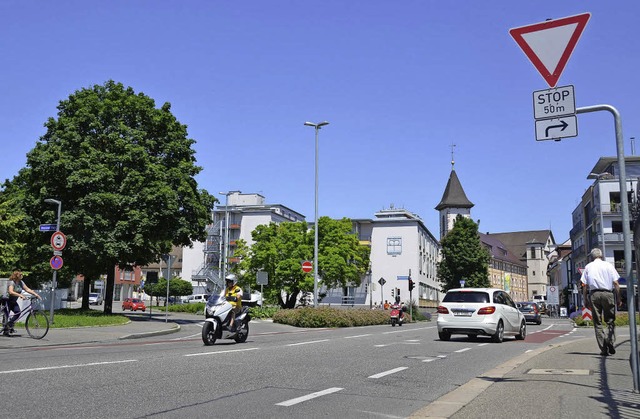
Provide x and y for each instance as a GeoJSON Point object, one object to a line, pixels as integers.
{"type": "Point", "coordinates": [234, 226]}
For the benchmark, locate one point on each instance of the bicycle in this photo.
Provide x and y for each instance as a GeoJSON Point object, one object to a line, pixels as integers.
{"type": "Point", "coordinates": [37, 321]}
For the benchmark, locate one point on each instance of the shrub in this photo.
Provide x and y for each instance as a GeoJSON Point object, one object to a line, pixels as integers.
{"type": "Point", "coordinates": [330, 317]}
{"type": "Point", "coordinates": [263, 312]}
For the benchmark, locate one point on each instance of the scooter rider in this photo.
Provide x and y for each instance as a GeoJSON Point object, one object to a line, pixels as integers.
{"type": "Point", "coordinates": [233, 294]}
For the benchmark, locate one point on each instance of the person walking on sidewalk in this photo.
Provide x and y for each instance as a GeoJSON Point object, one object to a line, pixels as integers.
{"type": "Point", "coordinates": [601, 278]}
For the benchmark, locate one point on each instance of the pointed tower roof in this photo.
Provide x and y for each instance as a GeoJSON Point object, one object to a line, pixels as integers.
{"type": "Point", "coordinates": [454, 196]}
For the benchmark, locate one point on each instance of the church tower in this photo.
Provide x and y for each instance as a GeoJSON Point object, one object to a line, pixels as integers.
{"type": "Point", "coordinates": [454, 201]}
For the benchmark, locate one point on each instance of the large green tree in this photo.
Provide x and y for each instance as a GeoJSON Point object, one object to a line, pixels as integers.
{"type": "Point", "coordinates": [280, 249]}
{"type": "Point", "coordinates": [124, 171]}
{"type": "Point", "coordinates": [463, 257]}
{"type": "Point", "coordinates": [11, 226]}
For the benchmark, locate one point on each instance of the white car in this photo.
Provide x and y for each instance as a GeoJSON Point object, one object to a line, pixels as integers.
{"type": "Point", "coordinates": [480, 311]}
{"type": "Point", "coordinates": [95, 298]}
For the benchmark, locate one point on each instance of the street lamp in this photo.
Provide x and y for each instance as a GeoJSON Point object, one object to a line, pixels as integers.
{"type": "Point", "coordinates": [55, 272]}
{"type": "Point", "coordinates": [225, 249]}
{"type": "Point", "coordinates": [315, 241]}
{"type": "Point", "coordinates": [600, 176]}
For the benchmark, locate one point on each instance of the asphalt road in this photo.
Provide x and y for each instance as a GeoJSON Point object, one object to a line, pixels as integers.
{"type": "Point", "coordinates": [281, 371]}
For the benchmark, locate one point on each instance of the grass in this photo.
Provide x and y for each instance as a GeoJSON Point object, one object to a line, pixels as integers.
{"type": "Point", "coordinates": [622, 319]}
{"type": "Point", "coordinates": [69, 317]}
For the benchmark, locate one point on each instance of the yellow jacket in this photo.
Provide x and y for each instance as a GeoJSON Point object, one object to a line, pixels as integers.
{"type": "Point", "coordinates": [234, 291]}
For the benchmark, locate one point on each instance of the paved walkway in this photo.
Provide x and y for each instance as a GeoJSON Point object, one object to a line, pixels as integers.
{"type": "Point", "coordinates": [565, 380]}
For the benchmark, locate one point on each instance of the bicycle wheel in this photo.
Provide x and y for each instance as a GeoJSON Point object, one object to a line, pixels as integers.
{"type": "Point", "coordinates": [37, 324]}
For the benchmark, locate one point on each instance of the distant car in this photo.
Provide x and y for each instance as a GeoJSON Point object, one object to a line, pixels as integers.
{"type": "Point", "coordinates": [133, 304]}
{"type": "Point", "coordinates": [480, 311]}
{"type": "Point", "coordinates": [95, 299]}
{"type": "Point", "coordinates": [196, 298]}
{"type": "Point", "coordinates": [531, 311]}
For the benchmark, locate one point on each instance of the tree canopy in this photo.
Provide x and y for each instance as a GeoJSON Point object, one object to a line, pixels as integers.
{"type": "Point", "coordinates": [280, 249]}
{"type": "Point", "coordinates": [463, 257]}
{"type": "Point", "coordinates": [124, 171]}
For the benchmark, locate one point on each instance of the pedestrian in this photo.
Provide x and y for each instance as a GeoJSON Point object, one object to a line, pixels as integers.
{"type": "Point", "coordinates": [386, 305]}
{"type": "Point", "coordinates": [601, 279]}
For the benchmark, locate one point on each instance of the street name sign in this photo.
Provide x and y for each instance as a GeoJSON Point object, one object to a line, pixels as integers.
{"type": "Point", "coordinates": [549, 44]}
{"type": "Point", "coordinates": [48, 227]}
{"type": "Point", "coordinates": [552, 103]}
{"type": "Point", "coordinates": [556, 128]}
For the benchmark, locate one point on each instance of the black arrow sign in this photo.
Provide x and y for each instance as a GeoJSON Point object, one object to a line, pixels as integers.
{"type": "Point", "coordinates": [562, 125]}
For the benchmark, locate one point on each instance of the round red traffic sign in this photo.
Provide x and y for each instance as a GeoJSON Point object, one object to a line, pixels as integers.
{"type": "Point", "coordinates": [307, 266]}
{"type": "Point", "coordinates": [56, 262]}
{"type": "Point", "coordinates": [58, 240]}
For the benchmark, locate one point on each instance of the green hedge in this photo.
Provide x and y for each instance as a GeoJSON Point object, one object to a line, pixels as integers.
{"type": "Point", "coordinates": [622, 319]}
{"type": "Point", "coordinates": [331, 317]}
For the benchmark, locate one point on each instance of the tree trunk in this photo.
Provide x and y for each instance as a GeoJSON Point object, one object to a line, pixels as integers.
{"type": "Point", "coordinates": [108, 297]}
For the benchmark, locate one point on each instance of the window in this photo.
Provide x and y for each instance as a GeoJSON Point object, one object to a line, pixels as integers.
{"type": "Point", "coordinates": [394, 245]}
{"type": "Point", "coordinates": [533, 252]}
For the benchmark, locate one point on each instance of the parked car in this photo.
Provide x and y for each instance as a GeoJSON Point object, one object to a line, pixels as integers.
{"type": "Point", "coordinates": [133, 304]}
{"type": "Point", "coordinates": [480, 311]}
{"type": "Point", "coordinates": [95, 299]}
{"type": "Point", "coordinates": [531, 311]}
{"type": "Point", "coordinates": [196, 298]}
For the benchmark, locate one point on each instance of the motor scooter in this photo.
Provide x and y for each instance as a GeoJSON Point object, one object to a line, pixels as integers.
{"type": "Point", "coordinates": [218, 312]}
{"type": "Point", "coordinates": [397, 315]}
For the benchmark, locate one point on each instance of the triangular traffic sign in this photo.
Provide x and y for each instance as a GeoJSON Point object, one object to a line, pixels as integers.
{"type": "Point", "coordinates": [550, 44]}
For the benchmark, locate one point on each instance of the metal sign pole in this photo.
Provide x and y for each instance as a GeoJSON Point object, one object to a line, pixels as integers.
{"type": "Point", "coordinates": [626, 232]}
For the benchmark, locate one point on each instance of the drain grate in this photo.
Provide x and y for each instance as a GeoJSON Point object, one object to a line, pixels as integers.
{"type": "Point", "coordinates": [558, 371]}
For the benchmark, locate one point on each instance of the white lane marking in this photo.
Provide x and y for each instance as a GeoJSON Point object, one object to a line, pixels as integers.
{"type": "Point", "coordinates": [393, 371]}
{"type": "Point", "coordinates": [483, 344]}
{"type": "Point", "coordinates": [222, 352]}
{"type": "Point", "coordinates": [309, 396]}
{"type": "Point", "coordinates": [409, 330]}
{"type": "Point", "coordinates": [431, 359]}
{"type": "Point", "coordinates": [306, 343]}
{"type": "Point", "coordinates": [462, 350]}
{"type": "Point", "coordinates": [68, 366]}
{"type": "Point", "coordinates": [357, 336]}
{"type": "Point", "coordinates": [442, 356]}
{"type": "Point", "coordinates": [528, 350]}
{"type": "Point", "coordinates": [412, 340]}
{"type": "Point", "coordinates": [382, 346]}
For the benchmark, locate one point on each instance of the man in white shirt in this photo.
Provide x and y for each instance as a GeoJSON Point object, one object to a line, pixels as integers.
{"type": "Point", "coordinates": [601, 278]}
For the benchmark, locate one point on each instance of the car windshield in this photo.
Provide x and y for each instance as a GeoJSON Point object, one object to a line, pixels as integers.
{"type": "Point", "coordinates": [525, 307]}
{"type": "Point", "coordinates": [135, 300]}
{"type": "Point", "coordinates": [93, 295]}
{"type": "Point", "coordinates": [466, 297]}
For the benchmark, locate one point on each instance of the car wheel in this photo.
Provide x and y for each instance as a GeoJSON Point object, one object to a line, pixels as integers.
{"type": "Point", "coordinates": [523, 331]}
{"type": "Point", "coordinates": [539, 322]}
{"type": "Point", "coordinates": [122, 308]}
{"type": "Point", "coordinates": [444, 335]}
{"type": "Point", "coordinates": [498, 337]}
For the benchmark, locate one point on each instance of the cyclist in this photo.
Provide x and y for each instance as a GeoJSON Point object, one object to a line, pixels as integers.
{"type": "Point", "coordinates": [14, 292]}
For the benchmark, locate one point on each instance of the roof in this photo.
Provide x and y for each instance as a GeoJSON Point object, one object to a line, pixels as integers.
{"type": "Point", "coordinates": [499, 251]}
{"type": "Point", "coordinates": [454, 196]}
{"type": "Point", "coordinates": [517, 242]}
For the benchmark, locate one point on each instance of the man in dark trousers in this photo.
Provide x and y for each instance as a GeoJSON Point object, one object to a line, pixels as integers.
{"type": "Point", "coordinates": [601, 278]}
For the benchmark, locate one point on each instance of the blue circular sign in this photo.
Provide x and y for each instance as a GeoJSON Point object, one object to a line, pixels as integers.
{"type": "Point", "coordinates": [56, 262]}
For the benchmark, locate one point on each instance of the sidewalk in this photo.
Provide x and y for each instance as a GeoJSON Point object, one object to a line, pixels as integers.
{"type": "Point", "coordinates": [566, 380]}
{"type": "Point", "coordinates": [138, 327]}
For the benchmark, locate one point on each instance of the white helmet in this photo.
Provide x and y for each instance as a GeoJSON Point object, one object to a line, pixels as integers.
{"type": "Point", "coordinates": [232, 278]}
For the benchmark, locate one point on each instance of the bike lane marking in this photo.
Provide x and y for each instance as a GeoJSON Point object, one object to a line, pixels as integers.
{"type": "Point", "coordinates": [222, 352]}
{"type": "Point", "coordinates": [385, 373]}
{"type": "Point", "coordinates": [308, 342]}
{"type": "Point", "coordinates": [301, 399]}
{"type": "Point", "coordinates": [92, 364]}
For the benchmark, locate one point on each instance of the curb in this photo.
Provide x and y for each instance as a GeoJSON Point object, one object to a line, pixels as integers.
{"type": "Point", "coordinates": [449, 404]}
{"type": "Point", "coordinates": [174, 329]}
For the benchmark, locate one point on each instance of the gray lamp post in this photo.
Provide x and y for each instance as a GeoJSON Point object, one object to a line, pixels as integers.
{"type": "Point", "coordinates": [315, 241]}
{"type": "Point", "coordinates": [55, 272]}
{"type": "Point", "coordinates": [225, 248]}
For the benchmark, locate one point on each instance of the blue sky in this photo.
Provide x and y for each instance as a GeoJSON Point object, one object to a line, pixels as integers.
{"type": "Point", "coordinates": [399, 82]}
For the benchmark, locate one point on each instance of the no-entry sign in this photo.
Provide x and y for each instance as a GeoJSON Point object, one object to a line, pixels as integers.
{"type": "Point", "coordinates": [307, 266]}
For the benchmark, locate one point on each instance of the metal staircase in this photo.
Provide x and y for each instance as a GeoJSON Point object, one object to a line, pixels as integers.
{"type": "Point", "coordinates": [209, 271]}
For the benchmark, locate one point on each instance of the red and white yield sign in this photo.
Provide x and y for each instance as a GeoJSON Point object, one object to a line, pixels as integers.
{"type": "Point", "coordinates": [307, 266]}
{"type": "Point", "coordinates": [550, 44]}
{"type": "Point", "coordinates": [58, 240]}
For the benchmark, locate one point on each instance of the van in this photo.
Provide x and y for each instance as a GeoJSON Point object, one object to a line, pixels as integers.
{"type": "Point", "coordinates": [197, 298]}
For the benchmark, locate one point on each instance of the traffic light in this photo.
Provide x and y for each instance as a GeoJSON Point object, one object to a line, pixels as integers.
{"type": "Point", "coordinates": [393, 290]}
{"type": "Point", "coordinates": [411, 284]}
